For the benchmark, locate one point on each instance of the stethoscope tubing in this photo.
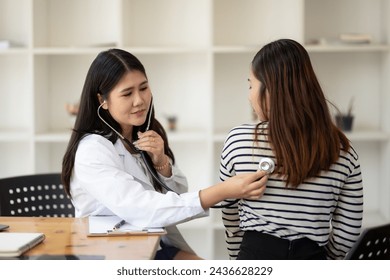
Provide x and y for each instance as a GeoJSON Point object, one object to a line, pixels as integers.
{"type": "Point", "coordinates": [152, 171]}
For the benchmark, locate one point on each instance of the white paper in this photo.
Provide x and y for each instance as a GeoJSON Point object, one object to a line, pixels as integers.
{"type": "Point", "coordinates": [105, 225]}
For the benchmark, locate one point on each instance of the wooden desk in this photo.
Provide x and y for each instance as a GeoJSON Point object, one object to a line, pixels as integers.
{"type": "Point", "coordinates": [68, 236]}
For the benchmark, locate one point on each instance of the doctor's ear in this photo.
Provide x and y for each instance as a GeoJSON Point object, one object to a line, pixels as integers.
{"type": "Point", "coordinates": [102, 101]}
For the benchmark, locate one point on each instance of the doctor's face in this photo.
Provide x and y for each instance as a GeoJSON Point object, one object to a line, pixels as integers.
{"type": "Point", "coordinates": [129, 101]}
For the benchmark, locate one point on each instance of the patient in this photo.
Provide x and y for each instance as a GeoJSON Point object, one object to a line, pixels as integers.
{"type": "Point", "coordinates": [313, 204]}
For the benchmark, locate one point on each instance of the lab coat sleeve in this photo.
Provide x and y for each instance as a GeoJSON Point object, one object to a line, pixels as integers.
{"type": "Point", "coordinates": [177, 182]}
{"type": "Point", "coordinates": [98, 171]}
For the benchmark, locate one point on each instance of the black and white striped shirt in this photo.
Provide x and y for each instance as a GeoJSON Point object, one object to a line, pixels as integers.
{"type": "Point", "coordinates": [327, 208]}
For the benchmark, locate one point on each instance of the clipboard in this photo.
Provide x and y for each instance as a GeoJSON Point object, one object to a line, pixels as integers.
{"type": "Point", "coordinates": [104, 226]}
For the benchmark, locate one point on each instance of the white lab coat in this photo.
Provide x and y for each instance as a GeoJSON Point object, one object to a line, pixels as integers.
{"type": "Point", "coordinates": [108, 180]}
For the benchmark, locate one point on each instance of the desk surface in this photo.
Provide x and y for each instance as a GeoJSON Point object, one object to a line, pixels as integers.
{"type": "Point", "coordinates": [68, 237]}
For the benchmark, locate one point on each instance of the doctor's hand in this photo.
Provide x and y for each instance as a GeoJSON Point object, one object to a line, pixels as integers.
{"type": "Point", "coordinates": [152, 143]}
{"type": "Point", "coordinates": [248, 185]}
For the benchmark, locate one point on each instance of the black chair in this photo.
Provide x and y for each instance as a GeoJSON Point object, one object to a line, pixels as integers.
{"type": "Point", "coordinates": [39, 195]}
{"type": "Point", "coordinates": [373, 244]}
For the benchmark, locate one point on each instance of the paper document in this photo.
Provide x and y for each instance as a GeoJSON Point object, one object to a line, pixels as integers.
{"type": "Point", "coordinates": [105, 225]}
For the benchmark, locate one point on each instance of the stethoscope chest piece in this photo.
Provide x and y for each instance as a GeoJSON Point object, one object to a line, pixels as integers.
{"type": "Point", "coordinates": [267, 165]}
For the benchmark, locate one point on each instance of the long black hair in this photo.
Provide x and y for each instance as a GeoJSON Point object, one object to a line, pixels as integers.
{"type": "Point", "coordinates": [103, 75]}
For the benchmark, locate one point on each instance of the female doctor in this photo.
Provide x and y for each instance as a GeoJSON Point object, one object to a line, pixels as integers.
{"type": "Point", "coordinates": [103, 170]}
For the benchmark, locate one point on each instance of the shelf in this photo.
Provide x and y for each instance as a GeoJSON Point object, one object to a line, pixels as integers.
{"type": "Point", "coordinates": [63, 136]}
{"type": "Point", "coordinates": [368, 136]}
{"type": "Point", "coordinates": [68, 51]}
{"type": "Point", "coordinates": [311, 48]}
{"type": "Point", "coordinates": [14, 136]}
{"type": "Point", "coordinates": [163, 23]}
{"type": "Point", "coordinates": [75, 50]}
{"type": "Point", "coordinates": [252, 49]}
{"type": "Point", "coordinates": [14, 51]}
{"type": "Point", "coordinates": [53, 137]}
{"type": "Point", "coordinates": [348, 48]}
{"type": "Point", "coordinates": [187, 136]}
{"type": "Point", "coordinates": [256, 22]}
{"type": "Point", "coordinates": [73, 23]}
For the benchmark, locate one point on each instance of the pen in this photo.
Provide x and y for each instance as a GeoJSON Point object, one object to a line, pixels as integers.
{"type": "Point", "coordinates": [118, 225]}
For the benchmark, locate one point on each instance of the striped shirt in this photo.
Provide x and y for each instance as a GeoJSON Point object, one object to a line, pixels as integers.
{"type": "Point", "coordinates": [327, 208]}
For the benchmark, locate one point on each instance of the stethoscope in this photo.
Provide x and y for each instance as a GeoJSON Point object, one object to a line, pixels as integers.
{"type": "Point", "coordinates": [265, 164]}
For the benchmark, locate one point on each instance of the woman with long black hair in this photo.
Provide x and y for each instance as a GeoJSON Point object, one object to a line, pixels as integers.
{"type": "Point", "coordinates": [104, 172]}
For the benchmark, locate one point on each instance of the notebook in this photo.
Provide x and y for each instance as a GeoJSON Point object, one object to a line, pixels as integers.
{"type": "Point", "coordinates": [104, 226]}
{"type": "Point", "coordinates": [14, 244]}
{"type": "Point", "coordinates": [3, 227]}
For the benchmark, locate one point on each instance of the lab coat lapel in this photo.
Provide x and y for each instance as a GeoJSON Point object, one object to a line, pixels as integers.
{"type": "Point", "coordinates": [130, 164]}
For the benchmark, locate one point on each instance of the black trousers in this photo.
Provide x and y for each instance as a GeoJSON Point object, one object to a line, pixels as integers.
{"type": "Point", "coordinates": [166, 252]}
{"type": "Point", "coordinates": [260, 246]}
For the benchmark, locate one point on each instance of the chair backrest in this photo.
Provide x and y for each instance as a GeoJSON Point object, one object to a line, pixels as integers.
{"type": "Point", "coordinates": [38, 195]}
{"type": "Point", "coordinates": [373, 244]}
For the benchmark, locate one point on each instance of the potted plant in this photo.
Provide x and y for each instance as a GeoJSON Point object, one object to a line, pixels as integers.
{"type": "Point", "coordinates": [172, 122]}
{"type": "Point", "coordinates": [345, 120]}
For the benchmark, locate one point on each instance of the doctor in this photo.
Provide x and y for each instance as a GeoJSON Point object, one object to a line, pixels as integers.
{"type": "Point", "coordinates": [104, 173]}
